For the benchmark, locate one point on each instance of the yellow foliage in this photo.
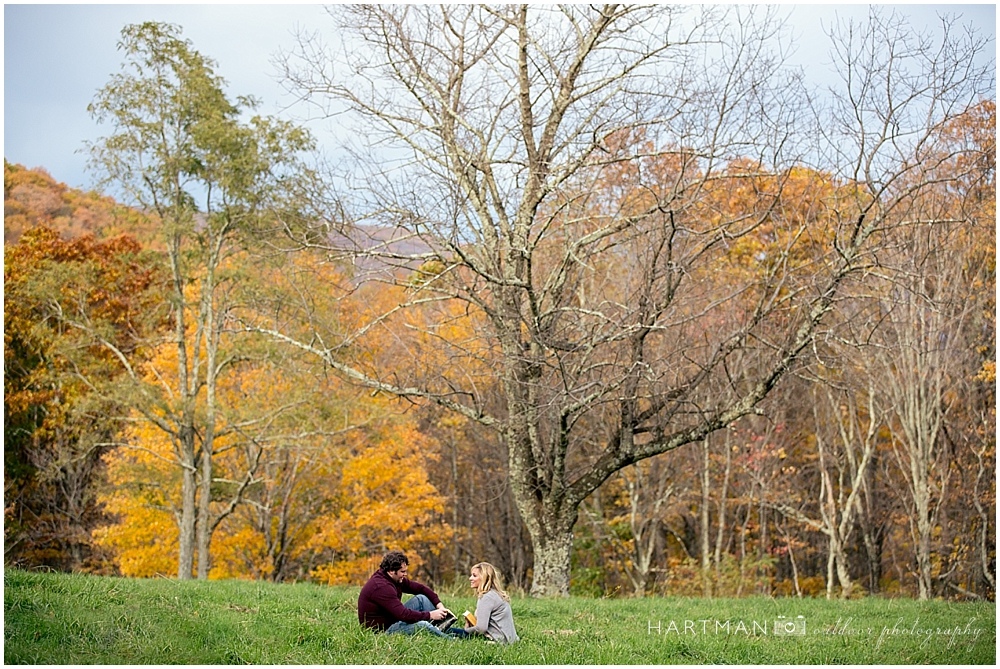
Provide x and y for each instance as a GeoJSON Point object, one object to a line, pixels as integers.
{"type": "Point", "coordinates": [146, 543]}
{"type": "Point", "coordinates": [386, 502]}
{"type": "Point", "coordinates": [988, 373]}
{"type": "Point", "coordinates": [240, 553]}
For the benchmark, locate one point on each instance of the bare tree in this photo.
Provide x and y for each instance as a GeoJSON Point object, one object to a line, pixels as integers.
{"type": "Point", "coordinates": [843, 466]}
{"type": "Point", "coordinates": [919, 355]}
{"type": "Point", "coordinates": [983, 545]}
{"type": "Point", "coordinates": [581, 176]}
{"type": "Point", "coordinates": [651, 489]}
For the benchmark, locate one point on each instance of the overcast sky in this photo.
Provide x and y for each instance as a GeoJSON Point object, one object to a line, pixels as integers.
{"type": "Point", "coordinates": [57, 56]}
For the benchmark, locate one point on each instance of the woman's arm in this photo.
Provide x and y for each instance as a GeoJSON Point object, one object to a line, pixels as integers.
{"type": "Point", "coordinates": [484, 609]}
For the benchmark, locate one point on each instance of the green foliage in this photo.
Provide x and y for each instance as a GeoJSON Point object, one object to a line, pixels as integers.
{"type": "Point", "coordinates": [177, 139]}
{"type": "Point", "coordinates": [589, 576]}
{"type": "Point", "coordinates": [66, 619]}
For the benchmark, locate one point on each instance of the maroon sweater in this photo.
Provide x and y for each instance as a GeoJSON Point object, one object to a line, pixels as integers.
{"type": "Point", "coordinates": [380, 605]}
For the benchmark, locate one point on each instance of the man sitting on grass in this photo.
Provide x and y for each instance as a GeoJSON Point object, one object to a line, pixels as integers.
{"type": "Point", "coordinates": [381, 609]}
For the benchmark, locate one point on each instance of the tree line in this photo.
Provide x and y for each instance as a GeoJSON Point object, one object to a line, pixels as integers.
{"type": "Point", "coordinates": [614, 306]}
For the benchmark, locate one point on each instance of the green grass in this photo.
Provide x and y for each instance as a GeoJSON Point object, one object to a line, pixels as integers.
{"type": "Point", "coordinates": [70, 619]}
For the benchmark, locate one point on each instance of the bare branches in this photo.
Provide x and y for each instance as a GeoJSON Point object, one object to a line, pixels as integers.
{"type": "Point", "coordinates": [632, 203]}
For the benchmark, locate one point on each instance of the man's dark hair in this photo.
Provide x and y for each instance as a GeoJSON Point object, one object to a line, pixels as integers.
{"type": "Point", "coordinates": [393, 561]}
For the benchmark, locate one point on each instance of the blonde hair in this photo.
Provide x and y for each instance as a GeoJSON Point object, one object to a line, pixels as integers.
{"type": "Point", "coordinates": [489, 580]}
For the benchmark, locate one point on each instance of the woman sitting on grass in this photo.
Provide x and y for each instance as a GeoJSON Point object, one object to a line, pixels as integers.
{"type": "Point", "coordinates": [494, 617]}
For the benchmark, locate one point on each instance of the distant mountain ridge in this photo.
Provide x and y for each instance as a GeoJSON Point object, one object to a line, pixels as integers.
{"type": "Point", "coordinates": [376, 251]}
{"type": "Point", "coordinates": [31, 197]}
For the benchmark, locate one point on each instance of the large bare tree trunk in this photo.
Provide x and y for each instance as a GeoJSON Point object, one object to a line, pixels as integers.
{"type": "Point", "coordinates": [551, 540]}
{"type": "Point", "coordinates": [552, 550]}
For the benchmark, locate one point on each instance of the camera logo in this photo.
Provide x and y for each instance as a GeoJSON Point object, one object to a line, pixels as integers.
{"type": "Point", "coordinates": [790, 626]}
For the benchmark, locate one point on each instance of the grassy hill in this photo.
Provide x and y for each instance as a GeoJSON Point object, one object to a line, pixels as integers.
{"type": "Point", "coordinates": [70, 619]}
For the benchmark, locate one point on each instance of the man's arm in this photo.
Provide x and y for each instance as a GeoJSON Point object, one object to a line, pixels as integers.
{"type": "Point", "coordinates": [388, 602]}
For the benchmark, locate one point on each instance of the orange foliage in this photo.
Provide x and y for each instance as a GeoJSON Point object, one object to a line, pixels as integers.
{"type": "Point", "coordinates": [56, 425]}
{"type": "Point", "coordinates": [436, 340]}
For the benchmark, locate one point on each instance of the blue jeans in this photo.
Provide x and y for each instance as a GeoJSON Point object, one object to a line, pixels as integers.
{"type": "Point", "coordinates": [421, 603]}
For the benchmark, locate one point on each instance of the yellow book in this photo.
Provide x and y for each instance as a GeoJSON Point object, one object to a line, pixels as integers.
{"type": "Point", "coordinates": [469, 618]}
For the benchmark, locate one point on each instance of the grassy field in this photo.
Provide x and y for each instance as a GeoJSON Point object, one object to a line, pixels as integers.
{"type": "Point", "coordinates": [66, 619]}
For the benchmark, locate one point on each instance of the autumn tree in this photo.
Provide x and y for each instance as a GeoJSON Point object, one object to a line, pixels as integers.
{"type": "Point", "coordinates": [506, 128]}
{"type": "Point", "coordinates": [180, 151]}
{"type": "Point", "coordinates": [58, 422]}
{"type": "Point", "coordinates": [922, 359]}
{"type": "Point", "coordinates": [327, 481]}
{"type": "Point", "coordinates": [971, 430]}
